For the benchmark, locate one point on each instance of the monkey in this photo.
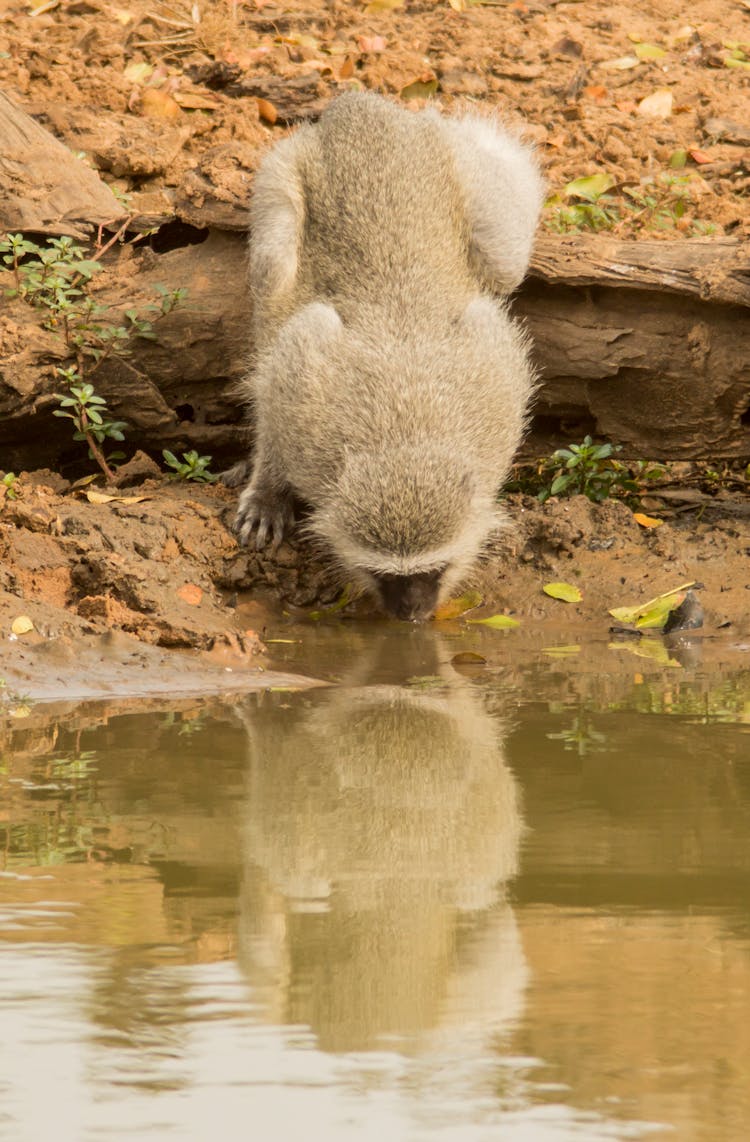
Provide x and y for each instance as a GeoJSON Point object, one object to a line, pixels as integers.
{"type": "Point", "coordinates": [390, 385]}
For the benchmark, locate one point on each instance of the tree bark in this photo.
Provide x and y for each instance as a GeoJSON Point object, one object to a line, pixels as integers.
{"type": "Point", "coordinates": [647, 344]}
{"type": "Point", "coordinates": [44, 188]}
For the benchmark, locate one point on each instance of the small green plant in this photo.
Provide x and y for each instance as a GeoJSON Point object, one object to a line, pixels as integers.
{"type": "Point", "coordinates": [659, 203]}
{"type": "Point", "coordinates": [587, 469]}
{"type": "Point", "coordinates": [56, 279]}
{"type": "Point", "coordinates": [8, 482]}
{"type": "Point", "coordinates": [584, 204]}
{"type": "Point", "coordinates": [191, 467]}
{"type": "Point", "coordinates": [89, 414]}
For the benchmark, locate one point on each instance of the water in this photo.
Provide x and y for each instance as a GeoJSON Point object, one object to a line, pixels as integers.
{"type": "Point", "coordinates": [434, 902]}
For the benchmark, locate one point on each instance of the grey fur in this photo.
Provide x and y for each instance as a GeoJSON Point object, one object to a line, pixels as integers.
{"type": "Point", "coordinates": [390, 387]}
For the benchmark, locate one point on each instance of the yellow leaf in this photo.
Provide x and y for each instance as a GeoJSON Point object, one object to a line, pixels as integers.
{"type": "Point", "coordinates": [497, 622]}
{"type": "Point", "coordinates": [647, 520]}
{"type": "Point", "coordinates": [21, 625]}
{"type": "Point", "coordinates": [566, 592]}
{"type": "Point", "coordinates": [452, 608]}
{"type": "Point", "coordinates": [458, 5]}
{"type": "Point", "coordinates": [20, 711]}
{"type": "Point", "coordinates": [654, 612]}
{"type": "Point", "coordinates": [649, 51]}
{"type": "Point", "coordinates": [383, 6]}
{"type": "Point", "coordinates": [658, 105]}
{"type": "Point", "coordinates": [419, 89]}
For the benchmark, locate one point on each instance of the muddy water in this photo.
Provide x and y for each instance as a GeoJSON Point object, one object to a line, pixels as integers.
{"type": "Point", "coordinates": [437, 900]}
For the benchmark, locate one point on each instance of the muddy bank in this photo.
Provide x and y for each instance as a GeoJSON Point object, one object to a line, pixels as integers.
{"type": "Point", "coordinates": [147, 592]}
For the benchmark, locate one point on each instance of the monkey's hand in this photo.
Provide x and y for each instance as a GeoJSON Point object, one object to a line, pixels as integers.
{"type": "Point", "coordinates": [263, 513]}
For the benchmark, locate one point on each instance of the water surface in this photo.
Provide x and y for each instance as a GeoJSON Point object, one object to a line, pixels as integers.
{"type": "Point", "coordinates": [434, 901]}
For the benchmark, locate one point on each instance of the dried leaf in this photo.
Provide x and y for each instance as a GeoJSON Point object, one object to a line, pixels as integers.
{"type": "Point", "coordinates": [382, 6]}
{"type": "Point", "coordinates": [157, 104]}
{"type": "Point", "coordinates": [452, 608]}
{"type": "Point", "coordinates": [658, 105]}
{"type": "Point", "coordinates": [497, 622]}
{"type": "Point", "coordinates": [566, 592]}
{"type": "Point", "coordinates": [623, 63]}
{"type": "Point", "coordinates": [267, 111]}
{"type": "Point", "coordinates": [138, 72]}
{"type": "Point", "coordinates": [647, 520]}
{"type": "Point", "coordinates": [371, 44]}
{"type": "Point", "coordinates": [420, 89]}
{"type": "Point", "coordinates": [596, 91]}
{"type": "Point", "coordinates": [190, 593]}
{"type": "Point", "coordinates": [458, 5]}
{"type": "Point", "coordinates": [468, 658]}
{"type": "Point", "coordinates": [346, 71]}
{"type": "Point", "coordinates": [96, 497]}
{"type": "Point", "coordinates": [699, 157]}
{"type": "Point", "coordinates": [21, 625]}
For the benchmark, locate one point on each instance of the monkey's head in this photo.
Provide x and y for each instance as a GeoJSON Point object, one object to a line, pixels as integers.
{"type": "Point", "coordinates": [407, 523]}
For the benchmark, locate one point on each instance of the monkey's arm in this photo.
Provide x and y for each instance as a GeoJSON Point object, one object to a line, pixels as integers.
{"type": "Point", "coordinates": [266, 506]}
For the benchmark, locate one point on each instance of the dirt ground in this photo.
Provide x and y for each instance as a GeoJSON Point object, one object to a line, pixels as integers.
{"type": "Point", "coordinates": [149, 591]}
{"type": "Point", "coordinates": [166, 98]}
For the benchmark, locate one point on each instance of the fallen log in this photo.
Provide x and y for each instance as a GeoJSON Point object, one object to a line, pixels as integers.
{"type": "Point", "coordinates": [44, 187]}
{"type": "Point", "coordinates": [646, 344]}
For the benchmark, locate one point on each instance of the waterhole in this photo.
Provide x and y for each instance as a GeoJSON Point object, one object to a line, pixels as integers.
{"type": "Point", "coordinates": [492, 896]}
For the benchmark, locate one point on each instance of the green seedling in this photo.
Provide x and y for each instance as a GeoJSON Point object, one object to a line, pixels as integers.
{"type": "Point", "coordinates": [9, 481]}
{"type": "Point", "coordinates": [191, 467]}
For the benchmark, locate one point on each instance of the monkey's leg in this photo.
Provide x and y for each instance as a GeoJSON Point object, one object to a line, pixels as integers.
{"type": "Point", "coordinates": [503, 192]}
{"type": "Point", "coordinates": [266, 507]}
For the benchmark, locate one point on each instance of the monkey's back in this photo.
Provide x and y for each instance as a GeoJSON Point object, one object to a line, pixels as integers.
{"type": "Point", "coordinates": [385, 224]}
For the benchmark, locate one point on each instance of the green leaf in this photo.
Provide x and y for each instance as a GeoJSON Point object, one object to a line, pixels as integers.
{"type": "Point", "coordinates": [566, 592]}
{"type": "Point", "coordinates": [591, 187]}
{"type": "Point", "coordinates": [497, 622]}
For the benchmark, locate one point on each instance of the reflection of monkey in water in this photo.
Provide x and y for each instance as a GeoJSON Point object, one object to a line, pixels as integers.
{"type": "Point", "coordinates": [390, 384]}
{"type": "Point", "coordinates": [381, 827]}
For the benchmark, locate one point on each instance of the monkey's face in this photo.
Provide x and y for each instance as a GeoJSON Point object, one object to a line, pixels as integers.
{"type": "Point", "coordinates": [409, 597]}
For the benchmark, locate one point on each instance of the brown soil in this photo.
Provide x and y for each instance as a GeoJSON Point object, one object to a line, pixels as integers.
{"type": "Point", "coordinates": [149, 593]}
{"type": "Point", "coordinates": [143, 595]}
{"type": "Point", "coordinates": [160, 104]}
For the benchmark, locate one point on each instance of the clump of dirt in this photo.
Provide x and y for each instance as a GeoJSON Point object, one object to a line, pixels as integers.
{"type": "Point", "coordinates": [144, 589]}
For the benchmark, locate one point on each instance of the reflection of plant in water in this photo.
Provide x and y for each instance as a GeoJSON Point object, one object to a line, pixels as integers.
{"type": "Point", "coordinates": [581, 737]}
{"type": "Point", "coordinates": [728, 701]}
{"type": "Point", "coordinates": [73, 768]}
